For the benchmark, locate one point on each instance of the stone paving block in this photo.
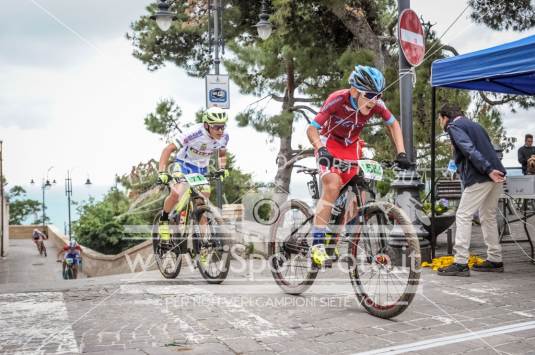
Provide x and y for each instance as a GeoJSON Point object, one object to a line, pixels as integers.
{"type": "Point", "coordinates": [166, 350]}
{"type": "Point", "coordinates": [454, 348]}
{"type": "Point", "coordinates": [408, 326]}
{"type": "Point", "coordinates": [118, 352]}
{"type": "Point", "coordinates": [241, 345]}
{"type": "Point", "coordinates": [479, 351]}
{"type": "Point", "coordinates": [335, 337]}
{"type": "Point", "coordinates": [450, 329]}
{"type": "Point", "coordinates": [399, 338]}
{"type": "Point", "coordinates": [519, 347]}
{"type": "Point", "coordinates": [425, 333]}
{"type": "Point", "coordinates": [209, 349]}
{"type": "Point", "coordinates": [371, 331]}
{"type": "Point", "coordinates": [102, 348]}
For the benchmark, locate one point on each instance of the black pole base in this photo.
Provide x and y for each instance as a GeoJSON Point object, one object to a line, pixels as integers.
{"type": "Point", "coordinates": [399, 251]}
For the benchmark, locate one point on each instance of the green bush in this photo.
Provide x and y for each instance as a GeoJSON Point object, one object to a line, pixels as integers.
{"type": "Point", "coordinates": [101, 224]}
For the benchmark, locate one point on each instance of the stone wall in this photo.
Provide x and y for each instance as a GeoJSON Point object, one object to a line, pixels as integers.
{"type": "Point", "coordinates": [23, 232]}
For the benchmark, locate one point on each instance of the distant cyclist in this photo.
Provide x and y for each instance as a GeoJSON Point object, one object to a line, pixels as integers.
{"type": "Point", "coordinates": [335, 134]}
{"type": "Point", "coordinates": [195, 148]}
{"type": "Point", "coordinates": [39, 238]}
{"type": "Point", "coordinates": [73, 251]}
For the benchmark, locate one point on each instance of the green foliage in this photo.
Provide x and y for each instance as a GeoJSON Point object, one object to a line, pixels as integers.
{"type": "Point", "coordinates": [165, 120]}
{"type": "Point", "coordinates": [311, 53]}
{"type": "Point", "coordinates": [441, 207]}
{"type": "Point", "coordinates": [20, 208]}
{"type": "Point", "coordinates": [516, 15]}
{"type": "Point", "coordinates": [375, 135]}
{"type": "Point", "coordinates": [101, 224]}
{"type": "Point", "coordinates": [491, 119]}
{"type": "Point", "coordinates": [236, 185]}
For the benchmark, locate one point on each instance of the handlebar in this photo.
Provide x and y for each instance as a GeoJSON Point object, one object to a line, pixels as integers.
{"type": "Point", "coordinates": [306, 169]}
{"type": "Point", "coordinates": [345, 165]}
{"type": "Point", "coordinates": [215, 175]}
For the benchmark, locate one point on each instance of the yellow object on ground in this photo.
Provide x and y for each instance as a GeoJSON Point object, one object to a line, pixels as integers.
{"type": "Point", "coordinates": [445, 261]}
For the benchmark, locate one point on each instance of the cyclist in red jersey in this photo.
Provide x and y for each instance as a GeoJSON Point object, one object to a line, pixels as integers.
{"type": "Point", "coordinates": [335, 134]}
{"type": "Point", "coordinates": [72, 250]}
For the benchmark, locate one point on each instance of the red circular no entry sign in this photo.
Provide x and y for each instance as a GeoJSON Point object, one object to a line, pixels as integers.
{"type": "Point", "coordinates": [411, 37]}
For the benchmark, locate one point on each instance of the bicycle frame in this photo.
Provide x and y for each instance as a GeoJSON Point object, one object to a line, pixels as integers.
{"type": "Point", "coordinates": [357, 185]}
{"type": "Point", "coordinates": [188, 202]}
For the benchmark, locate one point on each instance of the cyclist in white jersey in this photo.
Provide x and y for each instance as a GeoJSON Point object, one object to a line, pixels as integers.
{"type": "Point", "coordinates": [194, 150]}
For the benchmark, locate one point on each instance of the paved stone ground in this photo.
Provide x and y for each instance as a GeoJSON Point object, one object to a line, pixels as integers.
{"type": "Point", "coordinates": [146, 314]}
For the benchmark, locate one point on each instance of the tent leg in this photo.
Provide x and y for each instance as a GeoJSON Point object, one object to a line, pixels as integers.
{"type": "Point", "coordinates": [433, 157]}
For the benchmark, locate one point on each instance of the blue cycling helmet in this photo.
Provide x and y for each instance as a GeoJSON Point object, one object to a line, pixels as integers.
{"type": "Point", "coordinates": [367, 79]}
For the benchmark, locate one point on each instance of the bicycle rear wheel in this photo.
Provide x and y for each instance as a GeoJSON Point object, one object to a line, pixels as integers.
{"type": "Point", "coordinates": [290, 240]}
{"type": "Point", "coordinates": [384, 284]}
{"type": "Point", "coordinates": [167, 255]}
{"type": "Point", "coordinates": [213, 246]}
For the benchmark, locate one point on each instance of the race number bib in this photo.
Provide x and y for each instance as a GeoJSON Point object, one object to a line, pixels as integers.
{"type": "Point", "coordinates": [196, 179]}
{"type": "Point", "coordinates": [371, 170]}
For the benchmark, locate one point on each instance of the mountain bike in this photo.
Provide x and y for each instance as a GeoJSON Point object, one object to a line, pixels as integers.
{"type": "Point", "coordinates": [196, 230]}
{"type": "Point", "coordinates": [41, 247]}
{"type": "Point", "coordinates": [68, 274]}
{"type": "Point", "coordinates": [384, 282]}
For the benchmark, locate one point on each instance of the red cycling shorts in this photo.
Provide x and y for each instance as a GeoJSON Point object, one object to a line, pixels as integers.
{"type": "Point", "coordinates": [346, 152]}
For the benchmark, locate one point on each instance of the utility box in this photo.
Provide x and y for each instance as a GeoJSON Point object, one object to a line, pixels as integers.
{"type": "Point", "coordinates": [521, 186]}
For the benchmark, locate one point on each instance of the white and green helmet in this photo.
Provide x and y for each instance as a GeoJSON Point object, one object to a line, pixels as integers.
{"type": "Point", "coordinates": [215, 115]}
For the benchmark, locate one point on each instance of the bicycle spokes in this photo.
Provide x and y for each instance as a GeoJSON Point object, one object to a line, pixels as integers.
{"type": "Point", "coordinates": [383, 284]}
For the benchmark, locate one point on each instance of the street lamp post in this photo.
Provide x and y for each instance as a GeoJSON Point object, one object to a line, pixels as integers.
{"type": "Point", "coordinates": [263, 26]}
{"type": "Point", "coordinates": [163, 17]}
{"type": "Point", "coordinates": [68, 193]}
{"type": "Point", "coordinates": [45, 183]}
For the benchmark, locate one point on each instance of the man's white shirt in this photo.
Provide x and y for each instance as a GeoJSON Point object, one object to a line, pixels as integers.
{"type": "Point", "coordinates": [196, 146]}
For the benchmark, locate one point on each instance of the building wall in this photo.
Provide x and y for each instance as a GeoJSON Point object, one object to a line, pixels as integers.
{"type": "Point", "coordinates": [5, 234]}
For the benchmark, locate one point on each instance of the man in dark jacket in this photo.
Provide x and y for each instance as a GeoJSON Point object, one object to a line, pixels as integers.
{"type": "Point", "coordinates": [482, 175]}
{"type": "Point", "coordinates": [525, 152]}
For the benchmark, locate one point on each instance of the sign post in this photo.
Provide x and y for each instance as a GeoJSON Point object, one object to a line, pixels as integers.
{"type": "Point", "coordinates": [411, 37]}
{"type": "Point", "coordinates": [408, 184]}
{"type": "Point", "coordinates": [217, 91]}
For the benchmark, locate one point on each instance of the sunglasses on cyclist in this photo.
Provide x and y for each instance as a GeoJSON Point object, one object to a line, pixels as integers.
{"type": "Point", "coordinates": [218, 127]}
{"type": "Point", "coordinates": [372, 95]}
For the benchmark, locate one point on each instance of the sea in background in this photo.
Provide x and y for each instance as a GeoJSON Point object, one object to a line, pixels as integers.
{"type": "Point", "coordinates": [56, 201]}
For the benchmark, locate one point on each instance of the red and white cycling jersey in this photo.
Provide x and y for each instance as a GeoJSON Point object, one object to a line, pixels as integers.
{"type": "Point", "coordinates": [339, 118]}
{"type": "Point", "coordinates": [340, 124]}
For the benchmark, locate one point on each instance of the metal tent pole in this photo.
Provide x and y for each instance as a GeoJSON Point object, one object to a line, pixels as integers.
{"type": "Point", "coordinates": [1, 200]}
{"type": "Point", "coordinates": [433, 157]}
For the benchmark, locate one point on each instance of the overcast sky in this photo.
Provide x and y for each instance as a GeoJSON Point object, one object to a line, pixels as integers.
{"type": "Point", "coordinates": [72, 95]}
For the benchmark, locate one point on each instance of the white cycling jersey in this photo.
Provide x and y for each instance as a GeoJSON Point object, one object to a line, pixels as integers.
{"type": "Point", "coordinates": [196, 146]}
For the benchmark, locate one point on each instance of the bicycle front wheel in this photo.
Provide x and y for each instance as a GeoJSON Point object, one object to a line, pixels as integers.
{"type": "Point", "coordinates": [289, 247]}
{"type": "Point", "coordinates": [166, 253]}
{"type": "Point", "coordinates": [69, 273]}
{"type": "Point", "coordinates": [213, 248]}
{"type": "Point", "coordinates": [385, 280]}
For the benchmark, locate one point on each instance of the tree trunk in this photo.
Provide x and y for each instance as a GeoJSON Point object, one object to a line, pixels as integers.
{"type": "Point", "coordinates": [284, 172]}
{"type": "Point", "coordinates": [355, 21]}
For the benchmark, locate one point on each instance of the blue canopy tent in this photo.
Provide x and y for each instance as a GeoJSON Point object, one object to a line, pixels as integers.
{"type": "Point", "coordinates": [508, 68]}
